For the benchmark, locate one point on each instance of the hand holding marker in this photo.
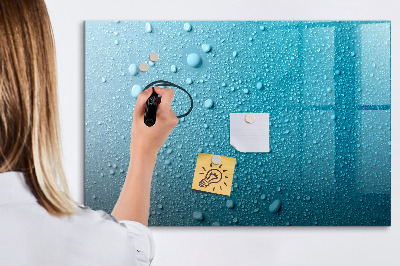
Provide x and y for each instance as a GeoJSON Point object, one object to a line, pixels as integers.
{"type": "Point", "coordinates": [154, 112]}
{"type": "Point", "coordinates": [152, 102]}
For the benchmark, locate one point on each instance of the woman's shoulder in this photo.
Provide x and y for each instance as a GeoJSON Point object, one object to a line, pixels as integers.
{"type": "Point", "coordinates": [137, 236]}
{"type": "Point", "coordinates": [99, 223]}
{"type": "Point", "coordinates": [85, 213]}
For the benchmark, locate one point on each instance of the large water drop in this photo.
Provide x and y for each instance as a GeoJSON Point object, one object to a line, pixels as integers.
{"type": "Point", "coordinates": [193, 60]}
{"type": "Point", "coordinates": [133, 69]}
{"type": "Point", "coordinates": [136, 89]}
{"type": "Point", "coordinates": [275, 206]}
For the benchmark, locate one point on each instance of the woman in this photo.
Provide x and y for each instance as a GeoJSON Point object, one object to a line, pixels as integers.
{"type": "Point", "coordinates": [40, 224]}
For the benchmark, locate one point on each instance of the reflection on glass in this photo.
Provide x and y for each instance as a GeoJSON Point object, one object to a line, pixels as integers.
{"type": "Point", "coordinates": [318, 169]}
{"type": "Point", "coordinates": [373, 148]}
{"type": "Point", "coordinates": [319, 61]}
{"type": "Point", "coordinates": [345, 135]}
{"type": "Point", "coordinates": [373, 56]}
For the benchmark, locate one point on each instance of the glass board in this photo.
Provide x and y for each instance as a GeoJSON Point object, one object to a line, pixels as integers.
{"type": "Point", "coordinates": [326, 88]}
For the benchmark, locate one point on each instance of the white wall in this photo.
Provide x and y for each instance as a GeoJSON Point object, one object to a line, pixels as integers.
{"type": "Point", "coordinates": [231, 246]}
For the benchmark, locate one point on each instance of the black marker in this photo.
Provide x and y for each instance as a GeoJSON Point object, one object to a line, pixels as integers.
{"type": "Point", "coordinates": [152, 102]}
{"type": "Point", "coordinates": [151, 109]}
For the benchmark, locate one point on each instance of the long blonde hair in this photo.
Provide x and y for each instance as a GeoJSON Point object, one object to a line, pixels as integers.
{"type": "Point", "coordinates": [29, 122]}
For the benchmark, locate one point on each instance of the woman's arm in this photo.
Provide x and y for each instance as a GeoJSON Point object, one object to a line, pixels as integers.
{"type": "Point", "coordinates": [134, 201]}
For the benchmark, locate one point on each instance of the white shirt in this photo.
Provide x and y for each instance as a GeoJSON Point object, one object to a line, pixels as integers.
{"type": "Point", "coordinates": [29, 235]}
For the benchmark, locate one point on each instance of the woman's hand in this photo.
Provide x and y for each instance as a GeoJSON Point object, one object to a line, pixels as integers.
{"type": "Point", "coordinates": [148, 140]}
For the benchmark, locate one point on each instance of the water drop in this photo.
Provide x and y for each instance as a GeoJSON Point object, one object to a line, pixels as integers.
{"type": "Point", "coordinates": [206, 47]}
{"type": "Point", "coordinates": [148, 27]}
{"type": "Point", "coordinates": [187, 27]}
{"type": "Point", "coordinates": [230, 204]}
{"type": "Point", "coordinates": [173, 69]}
{"type": "Point", "coordinates": [193, 60]}
{"type": "Point", "coordinates": [133, 69]}
{"type": "Point", "coordinates": [136, 89]}
{"type": "Point", "coordinates": [208, 103]}
{"type": "Point", "coordinates": [275, 206]}
{"type": "Point", "coordinates": [197, 215]}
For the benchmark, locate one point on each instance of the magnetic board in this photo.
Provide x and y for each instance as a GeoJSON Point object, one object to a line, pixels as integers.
{"type": "Point", "coordinates": [325, 86]}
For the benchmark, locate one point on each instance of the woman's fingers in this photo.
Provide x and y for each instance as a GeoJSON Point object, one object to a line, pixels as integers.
{"type": "Point", "coordinates": [167, 96]}
{"type": "Point", "coordinates": [159, 91]}
{"type": "Point", "coordinates": [164, 108]}
{"type": "Point", "coordinates": [141, 103]}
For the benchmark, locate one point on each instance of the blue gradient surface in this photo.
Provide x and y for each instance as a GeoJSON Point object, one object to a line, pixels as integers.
{"type": "Point", "coordinates": [325, 84]}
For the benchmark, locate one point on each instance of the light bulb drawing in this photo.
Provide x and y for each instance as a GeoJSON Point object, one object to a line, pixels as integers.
{"type": "Point", "coordinates": [213, 176]}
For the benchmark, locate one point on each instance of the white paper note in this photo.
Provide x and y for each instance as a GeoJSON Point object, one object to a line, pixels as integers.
{"type": "Point", "coordinates": [249, 137]}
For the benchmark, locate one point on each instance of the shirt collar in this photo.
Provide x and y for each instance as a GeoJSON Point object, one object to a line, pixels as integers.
{"type": "Point", "coordinates": [13, 188]}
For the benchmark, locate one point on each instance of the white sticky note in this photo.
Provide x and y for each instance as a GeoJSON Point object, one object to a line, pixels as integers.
{"type": "Point", "coordinates": [249, 137]}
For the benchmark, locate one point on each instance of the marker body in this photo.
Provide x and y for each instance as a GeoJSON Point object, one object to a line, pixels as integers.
{"type": "Point", "coordinates": [151, 109]}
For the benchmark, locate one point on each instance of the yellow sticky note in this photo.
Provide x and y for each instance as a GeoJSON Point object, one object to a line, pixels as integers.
{"type": "Point", "coordinates": [211, 177]}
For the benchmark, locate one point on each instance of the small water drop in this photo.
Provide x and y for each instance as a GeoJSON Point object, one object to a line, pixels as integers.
{"type": "Point", "coordinates": [148, 27]}
{"type": "Point", "coordinates": [206, 48]}
{"type": "Point", "coordinates": [187, 27]}
{"type": "Point", "coordinates": [209, 103]}
{"type": "Point", "coordinates": [197, 215]}
{"type": "Point", "coordinates": [230, 204]}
